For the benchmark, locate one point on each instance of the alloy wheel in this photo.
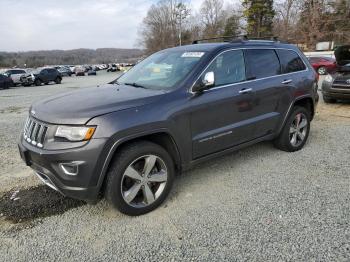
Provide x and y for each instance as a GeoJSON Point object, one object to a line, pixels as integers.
{"type": "Point", "coordinates": [144, 181]}
{"type": "Point", "coordinates": [298, 130]}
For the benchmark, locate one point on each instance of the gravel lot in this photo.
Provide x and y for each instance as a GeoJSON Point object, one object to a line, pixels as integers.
{"type": "Point", "coordinates": [256, 204]}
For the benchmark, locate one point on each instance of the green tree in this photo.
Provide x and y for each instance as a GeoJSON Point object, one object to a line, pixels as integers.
{"type": "Point", "coordinates": [259, 15]}
{"type": "Point", "coordinates": [232, 26]}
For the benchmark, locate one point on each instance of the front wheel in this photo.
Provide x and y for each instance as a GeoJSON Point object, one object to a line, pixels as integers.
{"type": "Point", "coordinates": [322, 70]}
{"type": "Point", "coordinates": [295, 131]}
{"type": "Point", "coordinates": [140, 178]}
{"type": "Point", "coordinates": [329, 100]}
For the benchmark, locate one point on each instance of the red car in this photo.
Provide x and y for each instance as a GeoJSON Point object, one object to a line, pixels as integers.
{"type": "Point", "coordinates": [323, 65]}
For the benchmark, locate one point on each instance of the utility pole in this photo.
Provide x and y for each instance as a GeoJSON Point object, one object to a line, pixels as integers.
{"type": "Point", "coordinates": [181, 14]}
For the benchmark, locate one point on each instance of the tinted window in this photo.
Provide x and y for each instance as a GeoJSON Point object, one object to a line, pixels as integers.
{"type": "Point", "coordinates": [291, 61]}
{"type": "Point", "coordinates": [262, 63]}
{"type": "Point", "coordinates": [51, 70]}
{"type": "Point", "coordinates": [228, 68]}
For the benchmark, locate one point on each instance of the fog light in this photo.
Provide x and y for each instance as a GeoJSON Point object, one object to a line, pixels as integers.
{"type": "Point", "coordinates": [71, 168]}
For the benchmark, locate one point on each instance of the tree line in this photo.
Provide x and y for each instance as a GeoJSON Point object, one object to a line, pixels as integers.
{"type": "Point", "coordinates": [170, 23]}
{"type": "Point", "coordinates": [69, 57]}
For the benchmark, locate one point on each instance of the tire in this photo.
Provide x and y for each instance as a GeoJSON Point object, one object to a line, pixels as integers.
{"type": "Point", "coordinates": [58, 80]}
{"type": "Point", "coordinates": [285, 139]}
{"type": "Point", "coordinates": [322, 70]}
{"type": "Point", "coordinates": [118, 184]}
{"type": "Point", "coordinates": [37, 82]}
{"type": "Point", "coordinates": [329, 100]}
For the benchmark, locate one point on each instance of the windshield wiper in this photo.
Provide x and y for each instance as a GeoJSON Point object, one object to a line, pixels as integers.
{"type": "Point", "coordinates": [135, 85]}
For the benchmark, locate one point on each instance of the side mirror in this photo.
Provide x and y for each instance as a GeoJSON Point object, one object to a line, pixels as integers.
{"type": "Point", "coordinates": [207, 81]}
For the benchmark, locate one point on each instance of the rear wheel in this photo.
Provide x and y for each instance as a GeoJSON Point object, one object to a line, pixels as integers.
{"type": "Point", "coordinates": [329, 100]}
{"type": "Point", "coordinates": [140, 178]}
{"type": "Point", "coordinates": [37, 82]}
{"type": "Point", "coordinates": [295, 131]}
{"type": "Point", "coordinates": [58, 80]}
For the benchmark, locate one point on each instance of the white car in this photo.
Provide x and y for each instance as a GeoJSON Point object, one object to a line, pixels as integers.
{"type": "Point", "coordinates": [15, 75]}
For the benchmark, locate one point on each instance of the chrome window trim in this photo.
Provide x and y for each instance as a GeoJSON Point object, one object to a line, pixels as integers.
{"type": "Point", "coordinates": [247, 81]}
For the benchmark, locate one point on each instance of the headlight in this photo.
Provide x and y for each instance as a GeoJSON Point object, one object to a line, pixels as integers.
{"type": "Point", "coordinates": [328, 78]}
{"type": "Point", "coordinates": [75, 133]}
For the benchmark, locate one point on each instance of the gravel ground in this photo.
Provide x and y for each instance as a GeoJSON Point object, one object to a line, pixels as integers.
{"type": "Point", "coordinates": [257, 204]}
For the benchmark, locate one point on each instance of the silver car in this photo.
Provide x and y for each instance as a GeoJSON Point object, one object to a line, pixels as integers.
{"type": "Point", "coordinates": [15, 75]}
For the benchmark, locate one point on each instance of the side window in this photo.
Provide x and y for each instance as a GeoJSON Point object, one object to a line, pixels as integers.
{"type": "Point", "coordinates": [228, 68]}
{"type": "Point", "coordinates": [262, 63]}
{"type": "Point", "coordinates": [44, 71]}
{"type": "Point", "coordinates": [291, 61]}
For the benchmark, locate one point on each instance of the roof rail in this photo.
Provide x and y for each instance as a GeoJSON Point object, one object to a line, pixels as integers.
{"type": "Point", "coordinates": [236, 38]}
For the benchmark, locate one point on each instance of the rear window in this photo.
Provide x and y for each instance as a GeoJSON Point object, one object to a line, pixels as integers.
{"type": "Point", "coordinates": [262, 63]}
{"type": "Point", "coordinates": [290, 61]}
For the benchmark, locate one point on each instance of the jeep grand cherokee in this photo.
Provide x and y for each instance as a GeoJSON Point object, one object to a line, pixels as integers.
{"type": "Point", "coordinates": [126, 140]}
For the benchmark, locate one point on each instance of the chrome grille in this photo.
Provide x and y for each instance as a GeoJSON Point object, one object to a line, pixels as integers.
{"type": "Point", "coordinates": [34, 132]}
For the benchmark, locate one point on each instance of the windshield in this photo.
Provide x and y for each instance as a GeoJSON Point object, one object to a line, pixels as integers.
{"type": "Point", "coordinates": [162, 70]}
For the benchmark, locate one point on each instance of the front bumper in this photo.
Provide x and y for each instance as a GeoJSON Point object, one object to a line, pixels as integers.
{"type": "Point", "coordinates": [49, 165]}
{"type": "Point", "coordinates": [335, 91]}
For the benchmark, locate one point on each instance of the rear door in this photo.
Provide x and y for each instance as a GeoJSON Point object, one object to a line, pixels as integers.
{"type": "Point", "coordinates": [271, 89]}
{"type": "Point", "coordinates": [44, 74]}
{"type": "Point", "coordinates": [52, 74]}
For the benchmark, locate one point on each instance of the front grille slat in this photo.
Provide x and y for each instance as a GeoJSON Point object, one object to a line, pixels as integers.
{"type": "Point", "coordinates": [32, 134]}
{"type": "Point", "coordinates": [43, 134]}
{"type": "Point", "coordinates": [35, 132]}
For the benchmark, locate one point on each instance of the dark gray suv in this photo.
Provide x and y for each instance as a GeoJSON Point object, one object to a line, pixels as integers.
{"type": "Point", "coordinates": [126, 140]}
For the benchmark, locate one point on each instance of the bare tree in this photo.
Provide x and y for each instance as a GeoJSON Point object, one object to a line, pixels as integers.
{"type": "Point", "coordinates": [160, 28]}
{"type": "Point", "coordinates": [315, 22]}
{"type": "Point", "coordinates": [213, 17]}
{"type": "Point", "coordinates": [287, 15]}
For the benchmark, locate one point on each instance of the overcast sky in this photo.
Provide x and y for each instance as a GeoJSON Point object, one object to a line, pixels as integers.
{"type": "Point", "coordinates": [68, 24]}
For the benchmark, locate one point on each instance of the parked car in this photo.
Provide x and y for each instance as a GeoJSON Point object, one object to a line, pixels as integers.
{"type": "Point", "coordinates": [112, 68]}
{"type": "Point", "coordinates": [91, 73]}
{"type": "Point", "coordinates": [80, 71]}
{"type": "Point", "coordinates": [6, 82]}
{"type": "Point", "coordinates": [72, 69]}
{"type": "Point", "coordinates": [179, 107]}
{"type": "Point", "coordinates": [322, 65]}
{"type": "Point", "coordinates": [337, 85]}
{"type": "Point", "coordinates": [64, 71]}
{"type": "Point", "coordinates": [15, 75]}
{"type": "Point", "coordinates": [42, 75]}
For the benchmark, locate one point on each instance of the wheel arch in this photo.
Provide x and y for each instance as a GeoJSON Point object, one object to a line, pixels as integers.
{"type": "Point", "coordinates": [160, 137]}
{"type": "Point", "coordinates": [306, 102]}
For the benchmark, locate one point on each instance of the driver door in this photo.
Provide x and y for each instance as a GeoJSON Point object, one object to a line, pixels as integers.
{"type": "Point", "coordinates": [221, 116]}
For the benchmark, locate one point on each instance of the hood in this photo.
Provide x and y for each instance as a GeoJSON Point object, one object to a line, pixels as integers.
{"type": "Point", "coordinates": [342, 55]}
{"type": "Point", "coordinates": [80, 106]}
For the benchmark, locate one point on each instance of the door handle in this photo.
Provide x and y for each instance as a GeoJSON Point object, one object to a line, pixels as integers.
{"type": "Point", "coordinates": [287, 81]}
{"type": "Point", "coordinates": [245, 90]}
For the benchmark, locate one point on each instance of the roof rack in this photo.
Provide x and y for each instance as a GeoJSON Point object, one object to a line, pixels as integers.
{"type": "Point", "coordinates": [236, 38]}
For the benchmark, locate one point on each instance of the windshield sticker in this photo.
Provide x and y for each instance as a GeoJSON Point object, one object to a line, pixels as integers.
{"type": "Point", "coordinates": [193, 54]}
